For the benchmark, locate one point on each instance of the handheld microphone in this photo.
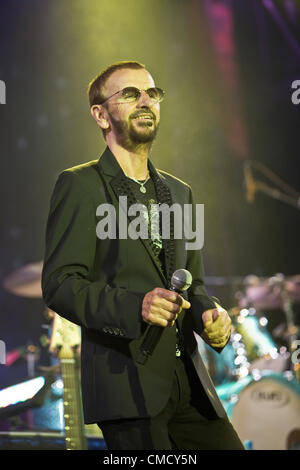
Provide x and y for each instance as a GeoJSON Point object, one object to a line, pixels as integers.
{"type": "Point", "coordinates": [180, 281]}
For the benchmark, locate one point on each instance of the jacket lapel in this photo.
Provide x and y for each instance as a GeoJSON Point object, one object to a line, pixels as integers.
{"type": "Point", "coordinates": [118, 183]}
{"type": "Point", "coordinates": [164, 197]}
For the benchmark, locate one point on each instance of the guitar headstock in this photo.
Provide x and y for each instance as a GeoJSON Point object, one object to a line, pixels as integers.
{"type": "Point", "coordinates": [65, 338]}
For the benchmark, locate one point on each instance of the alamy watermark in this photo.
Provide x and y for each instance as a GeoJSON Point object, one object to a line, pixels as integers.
{"type": "Point", "coordinates": [296, 94]}
{"type": "Point", "coordinates": [145, 227]}
{"type": "Point", "coordinates": [2, 92]}
{"type": "Point", "coordinates": [295, 357]}
{"type": "Point", "coordinates": [2, 352]}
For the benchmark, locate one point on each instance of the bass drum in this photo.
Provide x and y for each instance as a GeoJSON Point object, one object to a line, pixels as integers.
{"type": "Point", "coordinates": [265, 412]}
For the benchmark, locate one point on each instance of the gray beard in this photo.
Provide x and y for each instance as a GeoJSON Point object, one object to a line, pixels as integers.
{"type": "Point", "coordinates": [130, 139]}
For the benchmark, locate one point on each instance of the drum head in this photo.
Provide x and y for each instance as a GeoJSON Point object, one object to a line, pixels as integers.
{"type": "Point", "coordinates": [267, 413]}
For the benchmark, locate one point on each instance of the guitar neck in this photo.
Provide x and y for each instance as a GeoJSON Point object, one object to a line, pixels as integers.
{"type": "Point", "coordinates": [74, 425]}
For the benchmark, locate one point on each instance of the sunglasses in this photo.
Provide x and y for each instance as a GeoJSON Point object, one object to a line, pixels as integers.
{"type": "Point", "coordinates": [131, 93]}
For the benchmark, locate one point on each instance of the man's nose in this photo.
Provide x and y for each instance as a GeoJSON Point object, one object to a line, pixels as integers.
{"type": "Point", "coordinates": [144, 99]}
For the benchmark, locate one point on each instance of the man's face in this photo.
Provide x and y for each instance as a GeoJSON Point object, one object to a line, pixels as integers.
{"type": "Point", "coordinates": [136, 122]}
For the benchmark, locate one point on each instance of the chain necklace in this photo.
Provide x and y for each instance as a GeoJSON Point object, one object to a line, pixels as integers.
{"type": "Point", "coordinates": [142, 184]}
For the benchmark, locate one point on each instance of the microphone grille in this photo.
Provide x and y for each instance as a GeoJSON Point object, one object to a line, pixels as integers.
{"type": "Point", "coordinates": [181, 280]}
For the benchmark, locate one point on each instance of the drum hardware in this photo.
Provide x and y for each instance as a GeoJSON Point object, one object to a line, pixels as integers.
{"type": "Point", "coordinates": [269, 293]}
{"type": "Point", "coordinates": [276, 292]}
{"type": "Point", "coordinates": [257, 295]}
{"type": "Point", "coordinates": [286, 193]}
{"type": "Point", "coordinates": [290, 292]}
{"type": "Point", "coordinates": [241, 363]}
{"type": "Point", "coordinates": [261, 351]}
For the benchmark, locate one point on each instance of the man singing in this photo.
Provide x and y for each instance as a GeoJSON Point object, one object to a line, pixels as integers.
{"type": "Point", "coordinates": [116, 286]}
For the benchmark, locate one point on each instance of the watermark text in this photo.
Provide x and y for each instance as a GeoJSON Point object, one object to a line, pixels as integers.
{"type": "Point", "coordinates": [155, 222]}
{"type": "Point", "coordinates": [2, 352]}
{"type": "Point", "coordinates": [296, 94]}
{"type": "Point", "coordinates": [295, 357]}
{"type": "Point", "coordinates": [2, 92]}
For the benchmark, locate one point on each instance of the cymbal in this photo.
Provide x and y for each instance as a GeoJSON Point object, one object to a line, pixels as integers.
{"type": "Point", "coordinates": [26, 281]}
{"type": "Point", "coordinates": [261, 298]}
{"type": "Point", "coordinates": [270, 293]}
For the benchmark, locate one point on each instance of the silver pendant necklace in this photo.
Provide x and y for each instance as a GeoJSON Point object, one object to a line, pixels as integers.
{"type": "Point", "coordinates": [142, 185]}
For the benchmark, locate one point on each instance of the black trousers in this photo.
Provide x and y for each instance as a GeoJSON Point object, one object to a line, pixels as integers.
{"type": "Point", "coordinates": [178, 426]}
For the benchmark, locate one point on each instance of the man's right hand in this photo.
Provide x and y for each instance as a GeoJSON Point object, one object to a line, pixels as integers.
{"type": "Point", "coordinates": [161, 307]}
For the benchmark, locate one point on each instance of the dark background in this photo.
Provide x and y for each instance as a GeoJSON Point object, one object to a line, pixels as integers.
{"type": "Point", "coordinates": [227, 68]}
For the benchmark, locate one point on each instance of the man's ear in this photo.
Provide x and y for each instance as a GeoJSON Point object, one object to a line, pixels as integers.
{"type": "Point", "coordinates": [98, 113]}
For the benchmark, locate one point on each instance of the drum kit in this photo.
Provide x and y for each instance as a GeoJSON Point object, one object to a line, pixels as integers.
{"type": "Point", "coordinates": [258, 380]}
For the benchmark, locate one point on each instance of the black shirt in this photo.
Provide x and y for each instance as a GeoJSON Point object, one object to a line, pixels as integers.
{"type": "Point", "coordinates": [149, 200]}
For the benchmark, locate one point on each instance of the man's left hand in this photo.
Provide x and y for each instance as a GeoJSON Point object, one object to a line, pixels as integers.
{"type": "Point", "coordinates": [217, 327]}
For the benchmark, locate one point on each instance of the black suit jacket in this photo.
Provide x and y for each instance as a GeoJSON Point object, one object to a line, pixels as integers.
{"type": "Point", "coordinates": [100, 285]}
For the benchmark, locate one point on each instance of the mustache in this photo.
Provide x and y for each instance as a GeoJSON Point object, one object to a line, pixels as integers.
{"type": "Point", "coordinates": [140, 113]}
